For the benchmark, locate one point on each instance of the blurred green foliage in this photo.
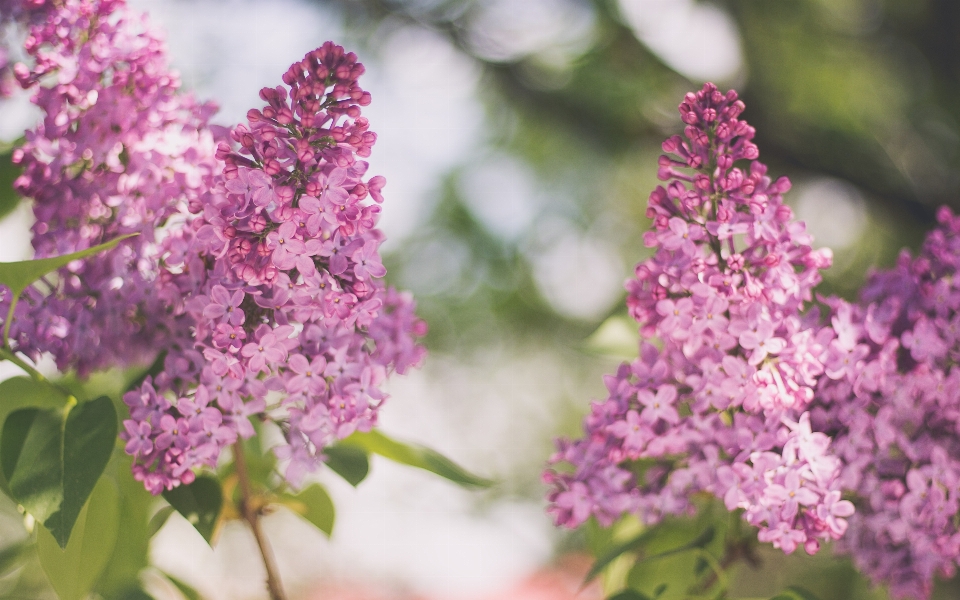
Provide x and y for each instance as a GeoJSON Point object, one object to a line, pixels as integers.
{"type": "Point", "coordinates": [863, 92]}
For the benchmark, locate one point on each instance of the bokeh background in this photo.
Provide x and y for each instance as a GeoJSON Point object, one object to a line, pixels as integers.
{"type": "Point", "coordinates": [519, 139]}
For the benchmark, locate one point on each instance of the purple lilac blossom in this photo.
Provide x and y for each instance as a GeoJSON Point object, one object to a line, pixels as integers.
{"type": "Point", "coordinates": [890, 403]}
{"type": "Point", "coordinates": [717, 401]}
{"type": "Point", "coordinates": [278, 274]}
{"type": "Point", "coordinates": [119, 150]}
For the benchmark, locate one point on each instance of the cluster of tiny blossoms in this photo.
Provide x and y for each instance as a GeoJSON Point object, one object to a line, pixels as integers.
{"type": "Point", "coordinates": [719, 404]}
{"type": "Point", "coordinates": [118, 151]}
{"type": "Point", "coordinates": [19, 12]}
{"type": "Point", "coordinates": [280, 276]}
{"type": "Point", "coordinates": [894, 415]}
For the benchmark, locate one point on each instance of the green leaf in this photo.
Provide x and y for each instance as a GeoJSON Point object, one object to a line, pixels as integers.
{"type": "Point", "coordinates": [659, 590]}
{"type": "Point", "coordinates": [10, 556]}
{"type": "Point", "coordinates": [74, 570]}
{"type": "Point", "coordinates": [199, 503]}
{"type": "Point", "coordinates": [121, 577]}
{"type": "Point", "coordinates": [135, 378]}
{"type": "Point", "coordinates": [795, 592]}
{"type": "Point", "coordinates": [159, 520]}
{"type": "Point", "coordinates": [629, 595]}
{"type": "Point", "coordinates": [617, 551]}
{"type": "Point", "coordinates": [89, 437]}
{"type": "Point", "coordinates": [699, 542]}
{"type": "Point", "coordinates": [18, 275]}
{"type": "Point", "coordinates": [705, 537]}
{"type": "Point", "coordinates": [52, 461]}
{"type": "Point", "coordinates": [186, 589]}
{"type": "Point", "coordinates": [134, 593]}
{"type": "Point", "coordinates": [415, 456]}
{"type": "Point", "coordinates": [260, 465]}
{"type": "Point", "coordinates": [8, 173]}
{"type": "Point", "coordinates": [804, 594]}
{"type": "Point", "coordinates": [349, 462]}
{"type": "Point", "coordinates": [313, 503]}
{"type": "Point", "coordinates": [617, 337]}
{"type": "Point", "coordinates": [23, 392]}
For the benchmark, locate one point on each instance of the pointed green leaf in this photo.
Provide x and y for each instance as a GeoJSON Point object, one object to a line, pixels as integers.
{"type": "Point", "coordinates": [135, 378]}
{"type": "Point", "coordinates": [629, 595]}
{"type": "Point", "coordinates": [121, 576]}
{"type": "Point", "coordinates": [186, 589]}
{"type": "Point", "coordinates": [135, 593]}
{"type": "Point", "coordinates": [617, 551]}
{"type": "Point", "coordinates": [11, 555]}
{"type": "Point", "coordinates": [704, 538]}
{"type": "Point", "coordinates": [18, 275]}
{"type": "Point", "coordinates": [89, 437]}
{"type": "Point", "coordinates": [805, 594]}
{"type": "Point", "coordinates": [349, 462]}
{"type": "Point", "coordinates": [617, 337]}
{"type": "Point", "coordinates": [199, 503]}
{"type": "Point", "coordinates": [260, 465]}
{"type": "Point", "coordinates": [313, 503]}
{"type": "Point", "coordinates": [415, 456]}
{"type": "Point", "coordinates": [75, 569]}
{"type": "Point", "coordinates": [699, 542]}
{"type": "Point", "coordinates": [24, 392]}
{"type": "Point", "coordinates": [30, 451]}
{"type": "Point", "coordinates": [158, 520]}
{"type": "Point", "coordinates": [52, 462]}
{"type": "Point", "coordinates": [8, 173]}
{"type": "Point", "coordinates": [795, 592]}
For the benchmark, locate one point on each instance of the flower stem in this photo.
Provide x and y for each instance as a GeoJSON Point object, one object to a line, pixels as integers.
{"type": "Point", "coordinates": [251, 515]}
{"type": "Point", "coordinates": [7, 354]}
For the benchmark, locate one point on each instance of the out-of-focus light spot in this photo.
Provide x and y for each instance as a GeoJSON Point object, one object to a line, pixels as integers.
{"type": "Point", "coordinates": [580, 276]}
{"type": "Point", "coordinates": [617, 336]}
{"type": "Point", "coordinates": [227, 52]}
{"type": "Point", "coordinates": [15, 233]}
{"type": "Point", "coordinates": [507, 30]}
{"type": "Point", "coordinates": [858, 17]}
{"type": "Point", "coordinates": [698, 40]}
{"type": "Point", "coordinates": [834, 211]}
{"type": "Point", "coordinates": [16, 115]}
{"type": "Point", "coordinates": [502, 194]}
{"type": "Point", "coordinates": [427, 118]}
{"type": "Point", "coordinates": [437, 267]}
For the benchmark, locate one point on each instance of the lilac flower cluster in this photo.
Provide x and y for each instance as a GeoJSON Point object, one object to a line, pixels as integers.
{"type": "Point", "coordinates": [119, 150]}
{"type": "Point", "coordinates": [718, 403]}
{"type": "Point", "coordinates": [279, 276]}
{"type": "Point", "coordinates": [890, 403]}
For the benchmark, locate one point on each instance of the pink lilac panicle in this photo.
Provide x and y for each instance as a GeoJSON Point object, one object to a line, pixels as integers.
{"type": "Point", "coordinates": [892, 409]}
{"type": "Point", "coordinates": [721, 405]}
{"type": "Point", "coordinates": [119, 150]}
{"type": "Point", "coordinates": [280, 271]}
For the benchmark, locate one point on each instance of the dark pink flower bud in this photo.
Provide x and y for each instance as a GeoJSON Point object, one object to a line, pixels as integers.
{"type": "Point", "coordinates": [272, 167]}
